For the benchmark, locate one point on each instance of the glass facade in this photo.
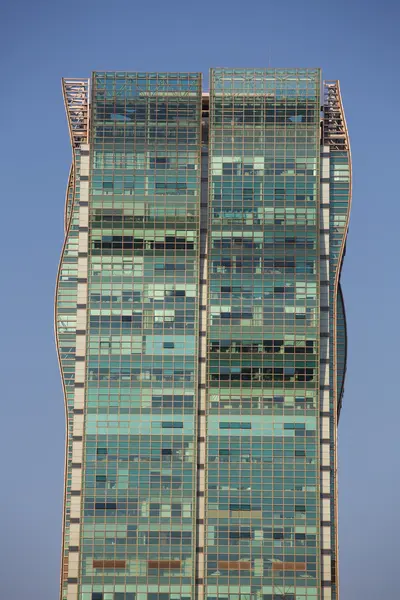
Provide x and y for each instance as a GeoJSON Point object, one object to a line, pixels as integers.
{"type": "Point", "coordinates": [263, 337]}
{"type": "Point", "coordinates": [201, 336]}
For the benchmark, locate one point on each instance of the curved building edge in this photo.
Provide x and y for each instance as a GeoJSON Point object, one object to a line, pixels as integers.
{"type": "Point", "coordinates": [75, 94]}
{"type": "Point", "coordinates": [338, 289]}
{"type": "Point", "coordinates": [337, 137]}
{"type": "Point", "coordinates": [342, 368]}
{"type": "Point", "coordinates": [69, 201]}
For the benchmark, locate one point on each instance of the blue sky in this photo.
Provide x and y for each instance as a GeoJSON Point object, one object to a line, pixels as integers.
{"type": "Point", "coordinates": [42, 41]}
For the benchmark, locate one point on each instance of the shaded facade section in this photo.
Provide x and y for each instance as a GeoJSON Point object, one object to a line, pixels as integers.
{"type": "Point", "coordinates": [341, 345]}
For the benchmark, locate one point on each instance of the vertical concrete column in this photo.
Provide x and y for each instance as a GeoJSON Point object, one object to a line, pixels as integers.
{"type": "Point", "coordinates": [80, 378]}
{"type": "Point", "coordinates": [202, 371]}
{"type": "Point", "coordinates": [325, 373]}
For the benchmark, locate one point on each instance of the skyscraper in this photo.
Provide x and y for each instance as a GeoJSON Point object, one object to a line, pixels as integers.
{"type": "Point", "coordinates": [201, 335]}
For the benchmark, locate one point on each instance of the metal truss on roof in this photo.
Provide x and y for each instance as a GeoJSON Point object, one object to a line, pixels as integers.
{"type": "Point", "coordinates": [76, 99]}
{"type": "Point", "coordinates": [334, 123]}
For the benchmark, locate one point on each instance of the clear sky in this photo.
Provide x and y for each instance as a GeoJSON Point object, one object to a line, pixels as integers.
{"type": "Point", "coordinates": [43, 40]}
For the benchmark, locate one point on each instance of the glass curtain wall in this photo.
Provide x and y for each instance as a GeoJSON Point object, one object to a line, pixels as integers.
{"type": "Point", "coordinates": [263, 335]}
{"type": "Point", "coordinates": [202, 357]}
{"type": "Point", "coordinates": [139, 457]}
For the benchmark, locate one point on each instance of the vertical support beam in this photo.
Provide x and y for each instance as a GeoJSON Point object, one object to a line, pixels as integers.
{"type": "Point", "coordinates": [202, 377]}
{"type": "Point", "coordinates": [325, 372]}
{"type": "Point", "coordinates": [80, 372]}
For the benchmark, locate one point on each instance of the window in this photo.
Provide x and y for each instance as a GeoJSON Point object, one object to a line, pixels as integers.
{"type": "Point", "coordinates": [299, 452]}
{"type": "Point", "coordinates": [154, 510]}
{"type": "Point", "coordinates": [241, 534]}
{"type": "Point", "coordinates": [105, 506]}
{"type": "Point", "coordinates": [176, 510]}
{"type": "Point", "coordinates": [160, 162]}
{"type": "Point", "coordinates": [164, 316]}
{"type": "Point", "coordinates": [235, 425]}
{"type": "Point", "coordinates": [176, 401]}
{"type": "Point", "coordinates": [239, 507]}
{"type": "Point", "coordinates": [171, 186]}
